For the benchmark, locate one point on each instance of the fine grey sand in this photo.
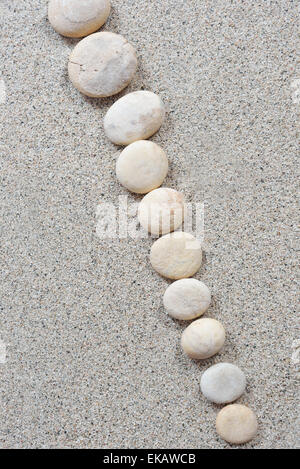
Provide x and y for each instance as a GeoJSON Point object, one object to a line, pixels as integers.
{"type": "Point", "coordinates": [92, 359]}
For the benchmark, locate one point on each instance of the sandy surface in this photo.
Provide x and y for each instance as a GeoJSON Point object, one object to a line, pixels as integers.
{"type": "Point", "coordinates": [92, 358]}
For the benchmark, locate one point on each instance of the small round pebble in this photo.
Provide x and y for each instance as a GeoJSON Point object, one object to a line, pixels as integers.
{"type": "Point", "coordinates": [223, 383]}
{"type": "Point", "coordinates": [135, 116]}
{"type": "Point", "coordinates": [236, 424]}
{"type": "Point", "coordinates": [161, 211]}
{"type": "Point", "coordinates": [142, 166]}
{"type": "Point", "coordinates": [186, 299]}
{"type": "Point", "coordinates": [78, 18]}
{"type": "Point", "coordinates": [102, 64]}
{"type": "Point", "coordinates": [176, 255]}
{"type": "Point", "coordinates": [203, 338]}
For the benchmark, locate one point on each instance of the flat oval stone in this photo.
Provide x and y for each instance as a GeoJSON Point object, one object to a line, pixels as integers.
{"type": "Point", "coordinates": [223, 383]}
{"type": "Point", "coordinates": [203, 338]}
{"type": "Point", "coordinates": [236, 424]}
{"type": "Point", "coordinates": [176, 255]}
{"type": "Point", "coordinates": [186, 299]}
{"type": "Point", "coordinates": [135, 116]}
{"type": "Point", "coordinates": [161, 211]}
{"type": "Point", "coordinates": [77, 18]}
{"type": "Point", "coordinates": [142, 166]}
{"type": "Point", "coordinates": [102, 64]}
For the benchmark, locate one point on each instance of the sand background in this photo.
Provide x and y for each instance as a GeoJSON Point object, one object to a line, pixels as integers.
{"type": "Point", "coordinates": [92, 358]}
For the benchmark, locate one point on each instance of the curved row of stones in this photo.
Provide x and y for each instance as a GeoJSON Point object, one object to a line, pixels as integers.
{"type": "Point", "coordinates": [101, 65]}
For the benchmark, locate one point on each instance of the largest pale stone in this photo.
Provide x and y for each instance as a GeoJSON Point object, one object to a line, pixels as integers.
{"type": "Point", "coordinates": [102, 64]}
{"type": "Point", "coordinates": [133, 117]}
{"type": "Point", "coordinates": [77, 18]}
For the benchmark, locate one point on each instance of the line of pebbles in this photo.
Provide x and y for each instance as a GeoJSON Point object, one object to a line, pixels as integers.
{"type": "Point", "coordinates": [101, 65]}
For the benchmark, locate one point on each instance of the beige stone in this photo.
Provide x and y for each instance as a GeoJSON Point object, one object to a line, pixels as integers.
{"type": "Point", "coordinates": [78, 18]}
{"type": "Point", "coordinates": [186, 299]}
{"type": "Point", "coordinates": [236, 424]}
{"type": "Point", "coordinates": [176, 255]}
{"type": "Point", "coordinates": [203, 338]}
{"type": "Point", "coordinates": [102, 64]}
{"type": "Point", "coordinates": [135, 116]}
{"type": "Point", "coordinates": [161, 211]}
{"type": "Point", "coordinates": [142, 166]}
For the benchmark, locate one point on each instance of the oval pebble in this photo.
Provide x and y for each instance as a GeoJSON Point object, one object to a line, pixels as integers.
{"type": "Point", "coordinates": [236, 424]}
{"type": "Point", "coordinates": [203, 338]}
{"type": "Point", "coordinates": [135, 116]}
{"type": "Point", "coordinates": [161, 211]}
{"type": "Point", "coordinates": [223, 383]}
{"type": "Point", "coordinates": [186, 299]}
{"type": "Point", "coordinates": [176, 255]}
{"type": "Point", "coordinates": [102, 64]}
{"type": "Point", "coordinates": [75, 18]}
{"type": "Point", "coordinates": [142, 166]}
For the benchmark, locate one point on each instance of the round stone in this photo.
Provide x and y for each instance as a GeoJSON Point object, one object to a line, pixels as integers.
{"type": "Point", "coordinates": [161, 211]}
{"type": "Point", "coordinates": [142, 166]}
{"type": "Point", "coordinates": [176, 255]}
{"type": "Point", "coordinates": [102, 64]}
{"type": "Point", "coordinates": [223, 383]}
{"type": "Point", "coordinates": [77, 18]}
{"type": "Point", "coordinates": [186, 299]}
{"type": "Point", "coordinates": [203, 338]}
{"type": "Point", "coordinates": [236, 424]}
{"type": "Point", "coordinates": [135, 116]}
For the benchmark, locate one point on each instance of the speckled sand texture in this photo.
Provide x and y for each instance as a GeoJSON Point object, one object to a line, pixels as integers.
{"type": "Point", "coordinates": [90, 346]}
